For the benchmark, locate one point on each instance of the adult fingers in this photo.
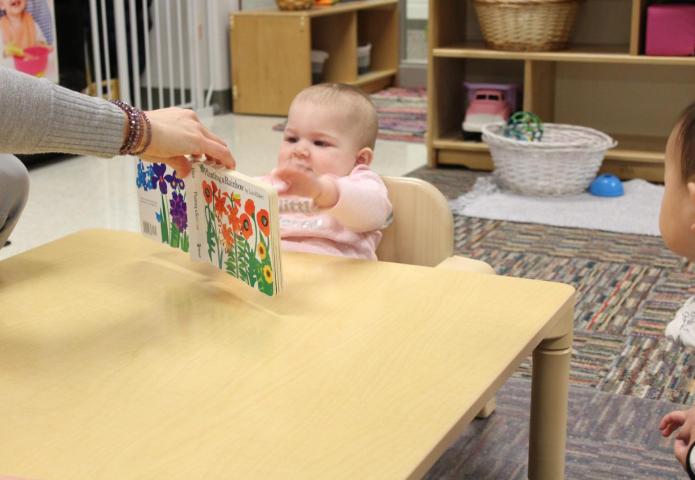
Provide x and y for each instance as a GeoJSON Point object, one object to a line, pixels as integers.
{"type": "Point", "coordinates": [213, 137]}
{"type": "Point", "coordinates": [181, 164]}
{"type": "Point", "coordinates": [220, 152]}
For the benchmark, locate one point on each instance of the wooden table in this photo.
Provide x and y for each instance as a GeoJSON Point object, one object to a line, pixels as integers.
{"type": "Point", "coordinates": [120, 358]}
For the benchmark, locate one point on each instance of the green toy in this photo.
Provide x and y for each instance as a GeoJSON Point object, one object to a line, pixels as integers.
{"type": "Point", "coordinates": [525, 126]}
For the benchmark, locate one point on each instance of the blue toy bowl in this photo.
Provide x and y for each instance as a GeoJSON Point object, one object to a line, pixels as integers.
{"type": "Point", "coordinates": [606, 185]}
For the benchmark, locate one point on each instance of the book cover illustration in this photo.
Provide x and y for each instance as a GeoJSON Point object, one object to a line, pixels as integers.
{"type": "Point", "coordinates": [236, 228]}
{"type": "Point", "coordinates": [162, 202]}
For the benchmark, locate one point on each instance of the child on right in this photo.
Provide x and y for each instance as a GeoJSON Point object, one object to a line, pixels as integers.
{"type": "Point", "coordinates": [677, 225]}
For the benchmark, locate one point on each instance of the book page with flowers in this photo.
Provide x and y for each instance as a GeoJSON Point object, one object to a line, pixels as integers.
{"type": "Point", "coordinates": [162, 201]}
{"type": "Point", "coordinates": [235, 221]}
{"type": "Point", "coordinates": [218, 216]}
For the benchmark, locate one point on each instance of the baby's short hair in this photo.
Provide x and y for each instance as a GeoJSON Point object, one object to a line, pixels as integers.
{"type": "Point", "coordinates": [685, 140]}
{"type": "Point", "coordinates": [353, 101]}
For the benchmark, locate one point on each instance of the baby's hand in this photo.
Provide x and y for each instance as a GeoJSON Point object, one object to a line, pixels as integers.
{"type": "Point", "coordinates": [685, 420]}
{"type": "Point", "coordinates": [671, 422]}
{"type": "Point", "coordinates": [305, 183]}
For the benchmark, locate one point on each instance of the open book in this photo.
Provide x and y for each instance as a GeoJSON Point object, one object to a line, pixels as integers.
{"type": "Point", "coordinates": [218, 216]}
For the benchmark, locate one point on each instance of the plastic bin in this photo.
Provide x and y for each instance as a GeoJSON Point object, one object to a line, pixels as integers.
{"type": "Point", "coordinates": [364, 58]}
{"type": "Point", "coordinates": [318, 61]}
{"type": "Point", "coordinates": [670, 30]}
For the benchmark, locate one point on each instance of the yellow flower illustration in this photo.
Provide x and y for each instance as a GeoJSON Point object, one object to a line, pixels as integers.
{"type": "Point", "coordinates": [268, 274]}
{"type": "Point", "coordinates": [262, 251]}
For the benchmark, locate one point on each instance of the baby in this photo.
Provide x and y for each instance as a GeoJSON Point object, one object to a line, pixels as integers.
{"type": "Point", "coordinates": [677, 224]}
{"type": "Point", "coordinates": [18, 28]}
{"type": "Point", "coordinates": [331, 202]}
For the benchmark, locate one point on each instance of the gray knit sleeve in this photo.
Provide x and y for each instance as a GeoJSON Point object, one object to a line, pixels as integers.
{"type": "Point", "coordinates": [37, 116]}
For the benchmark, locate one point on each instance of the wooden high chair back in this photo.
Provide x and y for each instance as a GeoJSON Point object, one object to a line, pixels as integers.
{"type": "Point", "coordinates": [422, 231]}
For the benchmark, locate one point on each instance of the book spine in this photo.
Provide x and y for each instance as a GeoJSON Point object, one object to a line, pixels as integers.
{"type": "Point", "coordinates": [195, 212]}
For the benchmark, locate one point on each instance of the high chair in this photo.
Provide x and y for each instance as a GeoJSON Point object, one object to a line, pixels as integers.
{"type": "Point", "coordinates": [422, 233]}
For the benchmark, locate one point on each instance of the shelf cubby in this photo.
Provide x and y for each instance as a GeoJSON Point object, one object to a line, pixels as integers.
{"type": "Point", "coordinates": [602, 81]}
{"type": "Point", "coordinates": [271, 51]}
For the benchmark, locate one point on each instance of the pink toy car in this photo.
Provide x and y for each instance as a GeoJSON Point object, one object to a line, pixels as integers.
{"type": "Point", "coordinates": [488, 106]}
{"type": "Point", "coordinates": [487, 103]}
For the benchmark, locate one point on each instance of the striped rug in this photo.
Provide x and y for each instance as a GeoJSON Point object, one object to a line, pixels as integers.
{"type": "Point", "coordinates": [628, 288]}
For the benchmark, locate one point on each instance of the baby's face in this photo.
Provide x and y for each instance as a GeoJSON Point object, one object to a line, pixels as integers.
{"type": "Point", "coordinates": [677, 215]}
{"type": "Point", "coordinates": [318, 139]}
{"type": "Point", "coordinates": [13, 7]}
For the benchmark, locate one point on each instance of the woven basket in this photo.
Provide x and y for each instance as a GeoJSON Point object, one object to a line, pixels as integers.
{"type": "Point", "coordinates": [564, 162]}
{"type": "Point", "coordinates": [526, 25]}
{"type": "Point", "coordinates": [295, 4]}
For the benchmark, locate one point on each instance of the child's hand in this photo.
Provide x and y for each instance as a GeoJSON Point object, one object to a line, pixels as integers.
{"type": "Point", "coordinates": [685, 420]}
{"type": "Point", "coordinates": [12, 50]}
{"type": "Point", "coordinates": [305, 183]}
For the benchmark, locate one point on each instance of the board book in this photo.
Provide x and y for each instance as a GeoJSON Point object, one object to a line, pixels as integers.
{"type": "Point", "coordinates": [217, 216]}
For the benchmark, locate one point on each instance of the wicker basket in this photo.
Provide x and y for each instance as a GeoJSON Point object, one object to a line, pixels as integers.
{"type": "Point", "coordinates": [564, 162]}
{"type": "Point", "coordinates": [295, 4]}
{"type": "Point", "coordinates": [526, 25]}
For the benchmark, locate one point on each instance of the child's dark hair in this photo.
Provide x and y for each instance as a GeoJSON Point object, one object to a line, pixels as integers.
{"type": "Point", "coordinates": [685, 139]}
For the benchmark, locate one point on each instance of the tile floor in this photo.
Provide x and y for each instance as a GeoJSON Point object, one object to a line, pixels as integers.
{"type": "Point", "coordinates": [88, 192]}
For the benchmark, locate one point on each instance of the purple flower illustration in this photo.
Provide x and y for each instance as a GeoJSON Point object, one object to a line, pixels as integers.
{"type": "Point", "coordinates": [158, 170]}
{"type": "Point", "coordinates": [178, 211]}
{"type": "Point", "coordinates": [174, 181]}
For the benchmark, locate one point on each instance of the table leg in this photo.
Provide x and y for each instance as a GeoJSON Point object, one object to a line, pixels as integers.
{"type": "Point", "coordinates": [548, 429]}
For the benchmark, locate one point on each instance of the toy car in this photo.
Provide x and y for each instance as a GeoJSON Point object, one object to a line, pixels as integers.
{"type": "Point", "coordinates": [487, 103]}
{"type": "Point", "coordinates": [488, 106]}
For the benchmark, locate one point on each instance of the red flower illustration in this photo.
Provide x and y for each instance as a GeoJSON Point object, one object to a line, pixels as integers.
{"type": "Point", "coordinates": [250, 207]}
{"type": "Point", "coordinates": [233, 217]}
{"type": "Point", "coordinates": [263, 221]}
{"type": "Point", "coordinates": [207, 192]}
{"type": "Point", "coordinates": [220, 207]}
{"type": "Point", "coordinates": [228, 236]}
{"type": "Point", "coordinates": [246, 227]}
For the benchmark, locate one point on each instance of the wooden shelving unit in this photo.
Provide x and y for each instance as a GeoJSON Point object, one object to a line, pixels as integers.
{"type": "Point", "coordinates": [587, 84]}
{"type": "Point", "coordinates": [271, 51]}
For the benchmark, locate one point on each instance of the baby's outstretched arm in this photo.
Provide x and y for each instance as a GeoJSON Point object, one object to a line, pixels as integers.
{"type": "Point", "coordinates": [305, 183]}
{"type": "Point", "coordinates": [358, 201]}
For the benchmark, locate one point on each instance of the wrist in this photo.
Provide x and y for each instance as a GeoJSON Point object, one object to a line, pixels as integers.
{"type": "Point", "coordinates": [137, 132]}
{"type": "Point", "coordinates": [328, 193]}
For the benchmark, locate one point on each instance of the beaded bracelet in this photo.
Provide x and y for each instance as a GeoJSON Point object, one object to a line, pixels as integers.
{"type": "Point", "coordinates": [148, 135]}
{"type": "Point", "coordinates": [138, 126]}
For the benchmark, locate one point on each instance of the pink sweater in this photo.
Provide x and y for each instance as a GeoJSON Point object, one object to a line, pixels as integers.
{"type": "Point", "coordinates": [351, 228]}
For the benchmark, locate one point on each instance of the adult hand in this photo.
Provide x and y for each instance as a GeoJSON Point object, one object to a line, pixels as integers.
{"type": "Point", "coordinates": [685, 420]}
{"type": "Point", "coordinates": [177, 132]}
{"type": "Point", "coordinates": [305, 183]}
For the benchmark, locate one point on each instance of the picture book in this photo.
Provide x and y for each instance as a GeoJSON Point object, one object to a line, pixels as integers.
{"type": "Point", "coordinates": [218, 216]}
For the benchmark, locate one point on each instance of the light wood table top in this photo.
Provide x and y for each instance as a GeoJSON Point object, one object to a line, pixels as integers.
{"type": "Point", "coordinates": [120, 358]}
